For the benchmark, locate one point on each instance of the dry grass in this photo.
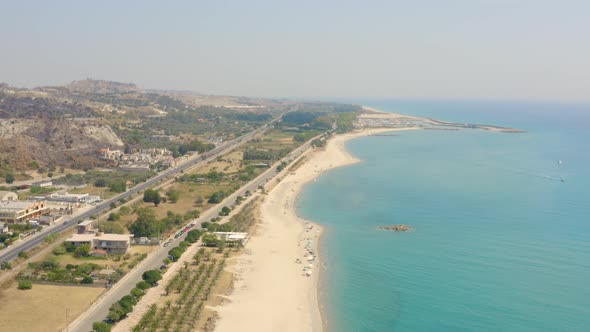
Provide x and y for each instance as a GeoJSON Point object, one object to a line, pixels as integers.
{"type": "Point", "coordinates": [229, 163]}
{"type": "Point", "coordinates": [44, 307]}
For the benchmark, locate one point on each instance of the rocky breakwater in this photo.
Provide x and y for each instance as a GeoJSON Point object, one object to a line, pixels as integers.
{"type": "Point", "coordinates": [396, 228]}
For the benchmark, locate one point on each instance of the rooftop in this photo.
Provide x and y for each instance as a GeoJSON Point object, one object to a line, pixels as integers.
{"type": "Point", "coordinates": [86, 222]}
{"type": "Point", "coordinates": [103, 237]}
{"type": "Point", "coordinates": [15, 205]}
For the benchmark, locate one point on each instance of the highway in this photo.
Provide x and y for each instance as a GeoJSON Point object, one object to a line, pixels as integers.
{"type": "Point", "coordinates": [11, 252]}
{"type": "Point", "coordinates": [99, 310]}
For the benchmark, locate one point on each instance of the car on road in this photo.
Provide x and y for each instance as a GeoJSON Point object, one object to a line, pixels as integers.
{"type": "Point", "coordinates": [166, 244]}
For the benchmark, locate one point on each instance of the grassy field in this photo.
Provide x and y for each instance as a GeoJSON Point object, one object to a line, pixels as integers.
{"type": "Point", "coordinates": [44, 307]}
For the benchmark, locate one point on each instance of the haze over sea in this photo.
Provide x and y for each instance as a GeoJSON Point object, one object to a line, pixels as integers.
{"type": "Point", "coordinates": [500, 242]}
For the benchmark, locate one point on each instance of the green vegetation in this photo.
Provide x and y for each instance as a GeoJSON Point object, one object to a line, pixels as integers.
{"type": "Point", "coordinates": [173, 195]}
{"type": "Point", "coordinates": [152, 196]}
{"type": "Point", "coordinates": [115, 181]}
{"type": "Point", "coordinates": [42, 190]}
{"type": "Point", "coordinates": [192, 286]}
{"type": "Point", "coordinates": [148, 225]}
{"type": "Point", "coordinates": [152, 277]}
{"type": "Point", "coordinates": [217, 197]}
{"type": "Point", "coordinates": [25, 284]}
{"type": "Point", "coordinates": [101, 327]}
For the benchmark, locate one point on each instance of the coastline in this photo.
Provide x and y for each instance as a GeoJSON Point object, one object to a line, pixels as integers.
{"type": "Point", "coordinates": [271, 291]}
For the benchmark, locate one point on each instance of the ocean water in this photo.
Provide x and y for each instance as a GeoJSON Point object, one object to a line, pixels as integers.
{"type": "Point", "coordinates": [500, 242]}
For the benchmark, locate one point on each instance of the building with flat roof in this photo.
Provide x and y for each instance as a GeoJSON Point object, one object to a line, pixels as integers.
{"type": "Point", "coordinates": [67, 198]}
{"type": "Point", "coordinates": [232, 238]}
{"type": "Point", "coordinates": [86, 226]}
{"type": "Point", "coordinates": [14, 212]}
{"type": "Point", "coordinates": [46, 183]}
{"type": "Point", "coordinates": [112, 243]}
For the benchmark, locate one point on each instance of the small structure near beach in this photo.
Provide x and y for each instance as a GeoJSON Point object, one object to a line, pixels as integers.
{"type": "Point", "coordinates": [397, 228]}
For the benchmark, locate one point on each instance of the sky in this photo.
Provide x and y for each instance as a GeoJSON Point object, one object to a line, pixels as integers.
{"type": "Point", "coordinates": [435, 49]}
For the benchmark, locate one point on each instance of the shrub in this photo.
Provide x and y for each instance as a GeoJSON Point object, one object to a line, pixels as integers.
{"type": "Point", "coordinates": [25, 284]}
{"type": "Point", "coordinates": [101, 327]}
{"type": "Point", "coordinates": [59, 250]}
{"type": "Point", "coordinates": [143, 285]}
{"type": "Point", "coordinates": [23, 254]}
{"type": "Point", "coordinates": [87, 280]}
{"type": "Point", "coordinates": [137, 292]}
{"type": "Point", "coordinates": [152, 277]}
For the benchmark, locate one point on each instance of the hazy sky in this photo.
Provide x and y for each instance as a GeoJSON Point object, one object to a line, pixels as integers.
{"type": "Point", "coordinates": [501, 49]}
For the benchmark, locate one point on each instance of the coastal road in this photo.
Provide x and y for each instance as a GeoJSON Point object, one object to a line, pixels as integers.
{"type": "Point", "coordinates": [11, 252]}
{"type": "Point", "coordinates": [100, 309]}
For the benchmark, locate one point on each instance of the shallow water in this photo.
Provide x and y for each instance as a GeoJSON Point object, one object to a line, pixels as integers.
{"type": "Point", "coordinates": [500, 242]}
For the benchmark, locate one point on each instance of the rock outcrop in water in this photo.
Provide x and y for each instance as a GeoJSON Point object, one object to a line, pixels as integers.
{"type": "Point", "coordinates": [397, 228]}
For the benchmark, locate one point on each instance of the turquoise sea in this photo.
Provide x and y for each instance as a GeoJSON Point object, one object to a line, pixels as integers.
{"type": "Point", "coordinates": [500, 242]}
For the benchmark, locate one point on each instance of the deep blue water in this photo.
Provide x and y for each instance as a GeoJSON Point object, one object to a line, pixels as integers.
{"type": "Point", "coordinates": [500, 242]}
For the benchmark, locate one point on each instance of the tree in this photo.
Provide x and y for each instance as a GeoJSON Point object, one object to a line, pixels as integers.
{"type": "Point", "coordinates": [117, 186]}
{"type": "Point", "coordinates": [193, 235]}
{"type": "Point", "coordinates": [142, 285]}
{"type": "Point", "coordinates": [50, 174]}
{"type": "Point", "coordinates": [101, 327]}
{"type": "Point", "coordinates": [5, 266]}
{"type": "Point", "coordinates": [146, 224]}
{"type": "Point", "coordinates": [217, 197]}
{"type": "Point", "coordinates": [87, 280]}
{"type": "Point", "coordinates": [152, 277]}
{"type": "Point", "coordinates": [137, 292]}
{"type": "Point", "coordinates": [62, 170]}
{"type": "Point", "coordinates": [23, 254]}
{"type": "Point", "coordinates": [152, 196]}
{"type": "Point", "coordinates": [25, 284]}
{"type": "Point", "coordinates": [82, 250]}
{"type": "Point", "coordinates": [224, 211]}
{"type": "Point", "coordinates": [175, 252]}
{"type": "Point", "coordinates": [210, 240]}
{"type": "Point", "coordinates": [113, 216]}
{"type": "Point", "coordinates": [9, 178]}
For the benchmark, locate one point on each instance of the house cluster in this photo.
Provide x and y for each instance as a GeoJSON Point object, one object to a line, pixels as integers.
{"type": "Point", "coordinates": [64, 203]}
{"type": "Point", "coordinates": [13, 211]}
{"type": "Point", "coordinates": [109, 154]}
{"type": "Point", "coordinates": [100, 243]}
{"type": "Point", "coordinates": [140, 160]}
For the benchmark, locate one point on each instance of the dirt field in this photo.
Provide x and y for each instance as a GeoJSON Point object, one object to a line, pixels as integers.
{"type": "Point", "coordinates": [43, 308]}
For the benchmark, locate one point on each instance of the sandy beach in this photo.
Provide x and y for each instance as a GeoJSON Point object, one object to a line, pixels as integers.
{"type": "Point", "coordinates": [272, 290]}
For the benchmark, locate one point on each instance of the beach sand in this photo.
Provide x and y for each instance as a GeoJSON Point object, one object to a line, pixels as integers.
{"type": "Point", "coordinates": [271, 291]}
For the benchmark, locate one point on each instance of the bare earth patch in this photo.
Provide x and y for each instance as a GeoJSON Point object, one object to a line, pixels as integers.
{"type": "Point", "coordinates": [44, 307]}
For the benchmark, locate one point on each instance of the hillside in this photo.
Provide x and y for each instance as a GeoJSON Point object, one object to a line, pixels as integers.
{"type": "Point", "coordinates": [68, 125]}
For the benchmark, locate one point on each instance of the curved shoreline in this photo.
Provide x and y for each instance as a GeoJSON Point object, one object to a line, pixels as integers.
{"type": "Point", "coordinates": [271, 293]}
